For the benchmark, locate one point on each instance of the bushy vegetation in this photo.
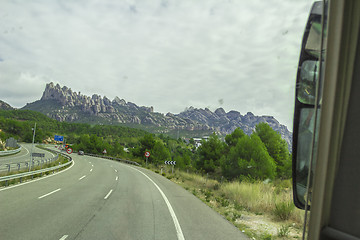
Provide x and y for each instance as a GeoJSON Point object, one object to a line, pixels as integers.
{"type": "Point", "coordinates": [262, 155]}
{"type": "Point", "coordinates": [272, 201]}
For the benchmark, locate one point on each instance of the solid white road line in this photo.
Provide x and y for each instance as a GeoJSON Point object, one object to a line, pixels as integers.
{"type": "Point", "coordinates": [116, 178]}
{"type": "Point", "coordinates": [38, 179]}
{"type": "Point", "coordinates": [64, 237]}
{"type": "Point", "coordinates": [107, 195]}
{"type": "Point", "coordinates": [49, 193]}
{"type": "Point", "coordinates": [82, 177]}
{"type": "Point", "coordinates": [179, 233]}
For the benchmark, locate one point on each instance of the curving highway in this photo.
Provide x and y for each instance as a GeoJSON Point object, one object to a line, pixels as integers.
{"type": "Point", "coordinates": [24, 154]}
{"type": "Point", "coordinates": [102, 199]}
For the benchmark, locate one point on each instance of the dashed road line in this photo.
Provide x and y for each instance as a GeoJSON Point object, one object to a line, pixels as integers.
{"type": "Point", "coordinates": [91, 170]}
{"type": "Point", "coordinates": [82, 177]}
{"type": "Point", "coordinates": [49, 193]}
{"type": "Point", "coordinates": [116, 178]}
{"type": "Point", "coordinates": [64, 237]}
{"type": "Point", "coordinates": [42, 178]}
{"type": "Point", "coordinates": [107, 195]}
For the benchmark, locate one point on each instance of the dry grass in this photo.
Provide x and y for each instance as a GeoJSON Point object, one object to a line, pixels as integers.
{"type": "Point", "coordinates": [270, 202]}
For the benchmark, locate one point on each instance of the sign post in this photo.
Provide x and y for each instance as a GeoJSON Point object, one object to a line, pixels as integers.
{"type": "Point", "coordinates": [173, 163]}
{"type": "Point", "coordinates": [147, 155]}
{"type": "Point", "coordinates": [32, 147]}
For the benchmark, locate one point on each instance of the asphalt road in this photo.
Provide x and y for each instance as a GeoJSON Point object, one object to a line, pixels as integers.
{"type": "Point", "coordinates": [24, 155]}
{"type": "Point", "coordinates": [102, 199]}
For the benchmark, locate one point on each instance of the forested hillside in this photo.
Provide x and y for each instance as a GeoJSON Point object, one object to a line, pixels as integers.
{"type": "Point", "coordinates": [262, 155]}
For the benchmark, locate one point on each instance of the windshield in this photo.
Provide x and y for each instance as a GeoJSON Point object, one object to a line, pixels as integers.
{"type": "Point", "coordinates": [116, 117]}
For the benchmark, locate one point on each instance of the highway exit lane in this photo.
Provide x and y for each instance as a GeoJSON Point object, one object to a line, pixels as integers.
{"type": "Point", "coordinates": [112, 201]}
{"type": "Point", "coordinates": [24, 155]}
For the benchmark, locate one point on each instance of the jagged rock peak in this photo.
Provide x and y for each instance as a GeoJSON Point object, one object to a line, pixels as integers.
{"type": "Point", "coordinates": [220, 112]}
{"type": "Point", "coordinates": [119, 101]}
{"type": "Point", "coordinates": [5, 106]}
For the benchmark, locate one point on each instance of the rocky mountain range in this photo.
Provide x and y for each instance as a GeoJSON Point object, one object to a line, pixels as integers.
{"type": "Point", "coordinates": [63, 104]}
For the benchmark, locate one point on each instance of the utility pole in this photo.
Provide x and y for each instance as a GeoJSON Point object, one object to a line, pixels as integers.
{"type": "Point", "coordinates": [32, 148]}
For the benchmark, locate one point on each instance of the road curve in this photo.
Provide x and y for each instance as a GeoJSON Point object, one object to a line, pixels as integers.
{"type": "Point", "coordinates": [102, 199]}
{"type": "Point", "coordinates": [24, 154]}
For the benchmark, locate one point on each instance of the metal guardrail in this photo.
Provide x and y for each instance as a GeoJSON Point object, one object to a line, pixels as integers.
{"type": "Point", "coordinates": [26, 174]}
{"type": "Point", "coordinates": [8, 167]}
{"type": "Point", "coordinates": [112, 158]}
{"type": "Point", "coordinates": [9, 152]}
{"type": "Point", "coordinates": [31, 173]}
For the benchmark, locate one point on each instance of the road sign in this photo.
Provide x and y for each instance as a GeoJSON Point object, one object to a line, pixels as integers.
{"type": "Point", "coordinates": [59, 138]}
{"type": "Point", "coordinates": [69, 150]}
{"type": "Point", "coordinates": [104, 152]}
{"type": "Point", "coordinates": [38, 154]}
{"type": "Point", "coordinates": [147, 154]}
{"type": "Point", "coordinates": [170, 162]}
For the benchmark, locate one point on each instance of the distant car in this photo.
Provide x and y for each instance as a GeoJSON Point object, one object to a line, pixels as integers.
{"type": "Point", "coordinates": [81, 152]}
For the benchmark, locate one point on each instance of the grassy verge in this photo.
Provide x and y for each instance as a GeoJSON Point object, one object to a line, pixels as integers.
{"type": "Point", "coordinates": [260, 210]}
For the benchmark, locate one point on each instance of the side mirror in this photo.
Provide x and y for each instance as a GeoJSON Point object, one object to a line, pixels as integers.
{"type": "Point", "coordinates": [307, 82]}
{"type": "Point", "coordinates": [307, 107]}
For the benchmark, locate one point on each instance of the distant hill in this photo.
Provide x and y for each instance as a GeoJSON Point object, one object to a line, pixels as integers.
{"type": "Point", "coordinates": [63, 104]}
{"type": "Point", "coordinates": [5, 106]}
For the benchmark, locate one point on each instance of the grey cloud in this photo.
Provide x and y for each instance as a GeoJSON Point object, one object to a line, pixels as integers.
{"type": "Point", "coordinates": [173, 53]}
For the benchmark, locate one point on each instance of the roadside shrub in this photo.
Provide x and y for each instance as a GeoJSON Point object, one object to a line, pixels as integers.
{"type": "Point", "coordinates": [283, 231]}
{"type": "Point", "coordinates": [283, 210]}
{"type": "Point", "coordinates": [266, 236]}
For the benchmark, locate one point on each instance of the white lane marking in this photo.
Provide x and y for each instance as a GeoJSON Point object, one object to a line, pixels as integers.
{"type": "Point", "coordinates": [90, 170]}
{"type": "Point", "coordinates": [179, 233]}
{"type": "Point", "coordinates": [64, 237]}
{"type": "Point", "coordinates": [107, 195]}
{"type": "Point", "coordinates": [18, 156]}
{"type": "Point", "coordinates": [89, 162]}
{"type": "Point", "coordinates": [27, 151]}
{"type": "Point", "coordinates": [116, 178]}
{"type": "Point", "coordinates": [38, 179]}
{"type": "Point", "coordinates": [115, 170]}
{"type": "Point", "coordinates": [49, 193]}
{"type": "Point", "coordinates": [92, 165]}
{"type": "Point", "coordinates": [82, 177]}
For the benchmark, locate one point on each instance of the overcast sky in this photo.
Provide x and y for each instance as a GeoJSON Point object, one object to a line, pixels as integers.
{"type": "Point", "coordinates": [170, 54]}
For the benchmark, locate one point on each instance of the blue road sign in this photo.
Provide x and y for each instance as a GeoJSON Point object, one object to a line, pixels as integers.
{"type": "Point", "coordinates": [59, 138]}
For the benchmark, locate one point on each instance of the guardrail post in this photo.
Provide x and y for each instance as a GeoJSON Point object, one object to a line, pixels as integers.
{"type": "Point", "coordinates": [18, 166]}
{"type": "Point", "coordinates": [8, 167]}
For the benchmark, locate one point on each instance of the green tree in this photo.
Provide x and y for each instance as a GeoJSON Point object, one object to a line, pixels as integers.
{"type": "Point", "coordinates": [277, 148]}
{"type": "Point", "coordinates": [210, 153]}
{"type": "Point", "coordinates": [159, 153]}
{"type": "Point", "coordinates": [233, 138]}
{"type": "Point", "coordinates": [249, 158]}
